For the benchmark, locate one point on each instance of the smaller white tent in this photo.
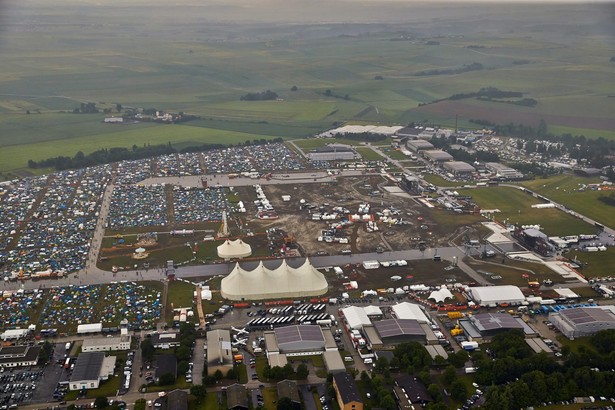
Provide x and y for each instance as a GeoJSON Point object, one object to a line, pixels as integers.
{"type": "Point", "coordinates": [234, 249]}
{"type": "Point", "coordinates": [440, 295]}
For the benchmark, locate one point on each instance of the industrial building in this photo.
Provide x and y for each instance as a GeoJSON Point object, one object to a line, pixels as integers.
{"type": "Point", "coordinates": [333, 152]}
{"type": "Point", "coordinates": [90, 369]}
{"type": "Point", "coordinates": [333, 361]}
{"type": "Point", "coordinates": [219, 351]}
{"type": "Point", "coordinates": [484, 326]}
{"type": "Point", "coordinates": [491, 296]}
{"type": "Point", "coordinates": [19, 356]}
{"type": "Point", "coordinates": [583, 321]}
{"type": "Point", "coordinates": [284, 281]}
{"type": "Point", "coordinates": [347, 392]}
{"type": "Point", "coordinates": [534, 240]}
{"type": "Point", "coordinates": [299, 339]}
{"type": "Point", "coordinates": [105, 344]}
{"type": "Point", "coordinates": [165, 340]}
{"type": "Point", "coordinates": [503, 172]}
{"type": "Point", "coordinates": [419, 145]}
{"type": "Point", "coordinates": [394, 331]}
{"type": "Point", "coordinates": [437, 156]}
{"type": "Point", "coordinates": [459, 168]}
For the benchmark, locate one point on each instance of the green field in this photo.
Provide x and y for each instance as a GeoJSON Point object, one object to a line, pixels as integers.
{"type": "Point", "coordinates": [343, 73]}
{"type": "Point", "coordinates": [566, 189]}
{"type": "Point", "coordinates": [595, 264]}
{"type": "Point", "coordinates": [515, 207]}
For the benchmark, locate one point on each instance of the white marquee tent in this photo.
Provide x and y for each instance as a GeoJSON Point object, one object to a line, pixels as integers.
{"type": "Point", "coordinates": [406, 310]}
{"type": "Point", "coordinates": [440, 295]}
{"type": "Point", "coordinates": [493, 295]}
{"type": "Point", "coordinates": [234, 249]}
{"type": "Point", "coordinates": [281, 282]}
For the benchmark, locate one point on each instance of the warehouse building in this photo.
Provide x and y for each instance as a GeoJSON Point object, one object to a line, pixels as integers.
{"type": "Point", "coordinates": [459, 168]}
{"type": "Point", "coordinates": [165, 340]}
{"type": "Point", "coordinates": [105, 344]}
{"type": "Point", "coordinates": [583, 321]}
{"type": "Point", "coordinates": [90, 369]}
{"type": "Point", "coordinates": [284, 281]}
{"type": "Point", "coordinates": [333, 152]}
{"type": "Point", "coordinates": [483, 326]}
{"type": "Point", "coordinates": [300, 339]}
{"type": "Point", "coordinates": [219, 351]}
{"type": "Point", "coordinates": [19, 356]}
{"type": "Point", "coordinates": [437, 156]}
{"type": "Point", "coordinates": [395, 331]}
{"type": "Point", "coordinates": [347, 392]}
{"type": "Point", "coordinates": [503, 172]}
{"type": "Point", "coordinates": [419, 145]}
{"type": "Point", "coordinates": [333, 361]}
{"type": "Point", "coordinates": [491, 296]}
{"type": "Point", "coordinates": [177, 400]}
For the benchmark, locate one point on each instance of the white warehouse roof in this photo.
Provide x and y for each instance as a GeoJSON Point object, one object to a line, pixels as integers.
{"type": "Point", "coordinates": [406, 310]}
{"type": "Point", "coordinates": [281, 282]}
{"type": "Point", "coordinates": [356, 317]}
{"type": "Point", "coordinates": [492, 295]}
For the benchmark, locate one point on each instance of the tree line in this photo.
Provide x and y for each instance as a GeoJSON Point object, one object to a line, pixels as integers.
{"type": "Point", "coordinates": [115, 154]}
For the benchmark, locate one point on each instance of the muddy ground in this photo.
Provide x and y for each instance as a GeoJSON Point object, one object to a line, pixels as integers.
{"type": "Point", "coordinates": [349, 193]}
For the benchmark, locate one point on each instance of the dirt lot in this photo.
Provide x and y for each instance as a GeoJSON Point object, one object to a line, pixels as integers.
{"type": "Point", "coordinates": [348, 193]}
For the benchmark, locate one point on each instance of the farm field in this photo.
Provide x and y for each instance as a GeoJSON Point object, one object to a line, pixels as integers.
{"type": "Point", "coordinates": [565, 189]}
{"type": "Point", "coordinates": [205, 72]}
{"type": "Point", "coordinates": [515, 208]}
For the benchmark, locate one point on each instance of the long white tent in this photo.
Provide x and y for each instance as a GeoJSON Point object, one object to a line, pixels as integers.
{"type": "Point", "coordinates": [281, 282]}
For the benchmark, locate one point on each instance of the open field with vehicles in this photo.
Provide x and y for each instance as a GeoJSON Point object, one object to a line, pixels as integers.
{"type": "Point", "coordinates": [380, 81]}
{"type": "Point", "coordinates": [572, 191]}
{"type": "Point", "coordinates": [595, 264]}
{"type": "Point", "coordinates": [515, 208]}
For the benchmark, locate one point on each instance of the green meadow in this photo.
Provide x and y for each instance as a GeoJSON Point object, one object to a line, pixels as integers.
{"type": "Point", "coordinates": [515, 207]}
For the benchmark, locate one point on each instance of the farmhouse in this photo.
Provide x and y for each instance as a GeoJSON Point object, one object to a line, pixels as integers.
{"type": "Point", "coordinates": [583, 321]}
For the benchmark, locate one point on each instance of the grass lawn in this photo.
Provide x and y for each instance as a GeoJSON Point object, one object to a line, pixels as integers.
{"type": "Point", "coordinates": [564, 189]}
{"type": "Point", "coordinates": [369, 154]}
{"type": "Point", "coordinates": [210, 402]}
{"type": "Point", "coordinates": [261, 362]}
{"type": "Point", "coordinates": [515, 207]}
{"type": "Point", "coordinates": [242, 372]}
{"type": "Point", "coordinates": [437, 180]}
{"type": "Point", "coordinates": [595, 264]}
{"type": "Point", "coordinates": [510, 275]}
{"type": "Point", "coordinates": [270, 397]}
{"type": "Point", "coordinates": [180, 294]}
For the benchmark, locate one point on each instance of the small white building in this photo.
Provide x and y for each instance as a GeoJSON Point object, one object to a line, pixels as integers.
{"type": "Point", "coordinates": [14, 334]}
{"type": "Point", "coordinates": [89, 328]}
{"type": "Point", "coordinates": [105, 344]}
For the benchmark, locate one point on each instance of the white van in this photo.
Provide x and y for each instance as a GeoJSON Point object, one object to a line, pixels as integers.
{"type": "Point", "coordinates": [368, 360]}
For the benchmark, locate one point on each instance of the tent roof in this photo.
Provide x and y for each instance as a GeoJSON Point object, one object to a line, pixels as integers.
{"type": "Point", "coordinates": [440, 295]}
{"type": "Point", "coordinates": [406, 310]}
{"type": "Point", "coordinates": [356, 317]}
{"type": "Point", "coordinates": [234, 249]}
{"type": "Point", "coordinates": [281, 282]}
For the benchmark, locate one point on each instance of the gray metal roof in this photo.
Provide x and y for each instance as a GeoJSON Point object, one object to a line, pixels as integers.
{"type": "Point", "coordinates": [88, 366]}
{"type": "Point", "coordinates": [398, 327]}
{"type": "Point", "coordinates": [580, 316]}
{"type": "Point", "coordinates": [494, 321]}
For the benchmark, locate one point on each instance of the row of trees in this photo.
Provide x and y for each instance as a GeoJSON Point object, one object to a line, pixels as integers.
{"type": "Point", "coordinates": [110, 155]}
{"type": "Point", "coordinates": [519, 377]}
{"type": "Point", "coordinates": [278, 373]}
